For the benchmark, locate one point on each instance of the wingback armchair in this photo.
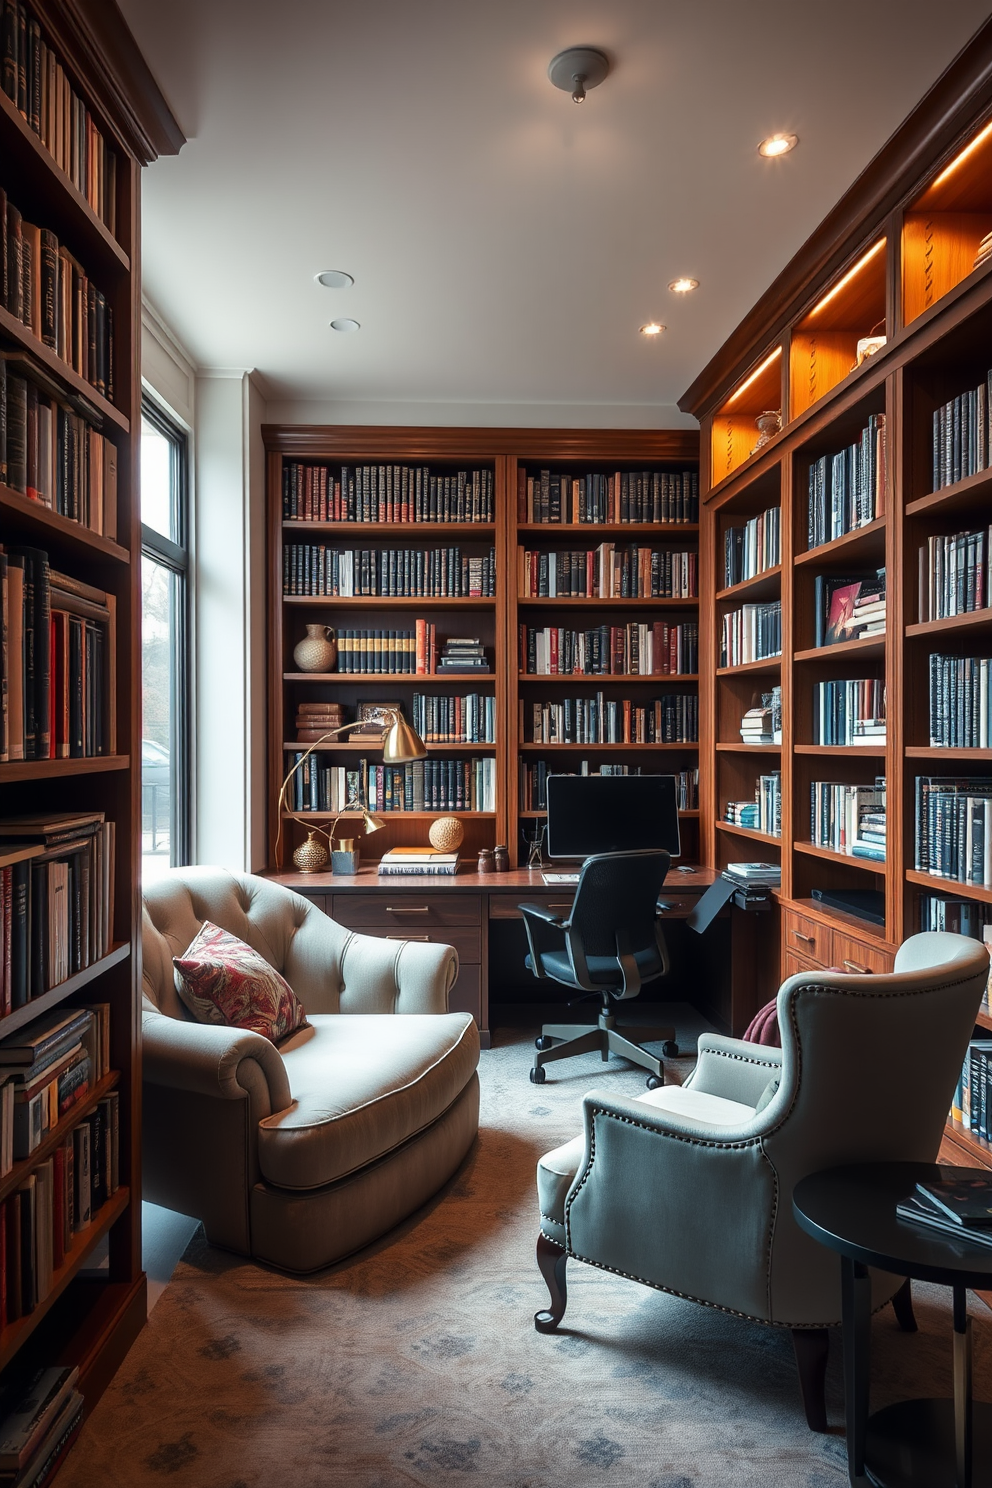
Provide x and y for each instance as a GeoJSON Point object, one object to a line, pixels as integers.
{"type": "Point", "coordinates": [689, 1189]}
{"type": "Point", "coordinates": [301, 1154]}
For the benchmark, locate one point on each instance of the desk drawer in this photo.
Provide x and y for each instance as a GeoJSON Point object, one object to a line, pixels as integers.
{"type": "Point", "coordinates": [855, 956]}
{"type": "Point", "coordinates": [795, 964]}
{"type": "Point", "coordinates": [403, 909]}
{"type": "Point", "coordinates": [466, 940]}
{"type": "Point", "coordinates": [503, 907]}
{"type": "Point", "coordinates": [806, 938]}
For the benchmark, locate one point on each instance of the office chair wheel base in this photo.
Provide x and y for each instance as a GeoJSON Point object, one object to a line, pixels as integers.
{"type": "Point", "coordinates": [653, 1083]}
{"type": "Point", "coordinates": [542, 1043]}
{"type": "Point", "coordinates": [670, 1049]}
{"type": "Point", "coordinates": [537, 1075]}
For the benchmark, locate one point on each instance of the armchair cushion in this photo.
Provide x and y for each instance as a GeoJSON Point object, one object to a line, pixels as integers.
{"type": "Point", "coordinates": [361, 1087]}
{"type": "Point", "coordinates": [222, 980]}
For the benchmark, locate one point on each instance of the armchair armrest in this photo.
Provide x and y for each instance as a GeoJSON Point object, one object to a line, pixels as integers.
{"type": "Point", "coordinates": [205, 1059]}
{"type": "Point", "coordinates": [396, 976]}
{"type": "Point", "coordinates": [734, 1069]}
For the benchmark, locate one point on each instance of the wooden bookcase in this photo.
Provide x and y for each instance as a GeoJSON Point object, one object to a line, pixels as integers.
{"type": "Point", "coordinates": [97, 1303]}
{"type": "Point", "coordinates": [506, 453]}
{"type": "Point", "coordinates": [898, 250]}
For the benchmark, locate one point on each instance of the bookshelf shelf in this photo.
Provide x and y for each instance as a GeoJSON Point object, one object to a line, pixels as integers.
{"type": "Point", "coordinates": [860, 646]}
{"type": "Point", "coordinates": [868, 865]}
{"type": "Point", "coordinates": [949, 886]}
{"type": "Point", "coordinates": [21, 1016]}
{"type": "Point", "coordinates": [388, 679]}
{"type": "Point", "coordinates": [62, 373]}
{"type": "Point", "coordinates": [52, 769]}
{"type": "Point", "coordinates": [950, 624]}
{"type": "Point", "coordinates": [942, 752]}
{"type": "Point", "coordinates": [61, 533]}
{"type": "Point", "coordinates": [974, 494]}
{"type": "Point", "coordinates": [741, 748]}
{"type": "Point", "coordinates": [736, 831]}
{"type": "Point", "coordinates": [863, 545]}
{"type": "Point", "coordinates": [766, 664]}
{"type": "Point", "coordinates": [763, 585]}
{"type": "Point", "coordinates": [605, 748]}
{"type": "Point", "coordinates": [16, 1333]}
{"type": "Point", "coordinates": [824, 343]}
{"type": "Point", "coordinates": [843, 751]}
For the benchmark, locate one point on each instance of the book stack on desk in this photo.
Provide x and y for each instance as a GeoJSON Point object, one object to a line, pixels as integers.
{"type": "Point", "coordinates": [958, 1206]}
{"type": "Point", "coordinates": [417, 860]}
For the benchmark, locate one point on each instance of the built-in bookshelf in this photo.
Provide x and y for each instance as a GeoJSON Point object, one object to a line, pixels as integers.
{"type": "Point", "coordinates": [572, 559]}
{"type": "Point", "coordinates": [79, 116]}
{"type": "Point", "coordinates": [874, 346]}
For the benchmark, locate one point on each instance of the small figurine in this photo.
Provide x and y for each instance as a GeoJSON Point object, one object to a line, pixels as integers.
{"type": "Point", "coordinates": [501, 858]}
{"type": "Point", "coordinates": [486, 861]}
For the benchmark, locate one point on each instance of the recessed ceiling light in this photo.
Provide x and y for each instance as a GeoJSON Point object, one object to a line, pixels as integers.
{"type": "Point", "coordinates": [345, 325]}
{"type": "Point", "coordinates": [652, 329]}
{"type": "Point", "coordinates": [778, 144]}
{"type": "Point", "coordinates": [334, 279]}
{"type": "Point", "coordinates": [683, 286]}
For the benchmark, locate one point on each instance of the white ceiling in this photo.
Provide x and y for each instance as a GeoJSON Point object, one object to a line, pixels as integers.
{"type": "Point", "coordinates": [506, 244]}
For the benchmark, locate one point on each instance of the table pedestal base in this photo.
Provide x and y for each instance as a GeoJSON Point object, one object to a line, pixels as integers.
{"type": "Point", "coordinates": [912, 1445]}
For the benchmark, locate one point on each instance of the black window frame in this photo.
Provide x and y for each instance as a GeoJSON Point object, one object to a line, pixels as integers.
{"type": "Point", "coordinates": [175, 557]}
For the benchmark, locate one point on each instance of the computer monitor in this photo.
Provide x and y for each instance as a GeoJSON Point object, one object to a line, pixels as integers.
{"type": "Point", "coordinates": [590, 814]}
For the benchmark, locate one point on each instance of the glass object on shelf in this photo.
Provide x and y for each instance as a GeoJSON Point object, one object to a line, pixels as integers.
{"type": "Point", "coordinates": [768, 425]}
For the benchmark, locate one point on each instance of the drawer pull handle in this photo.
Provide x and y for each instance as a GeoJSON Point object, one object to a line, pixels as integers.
{"type": "Point", "coordinates": [562, 906]}
{"type": "Point", "coordinates": [800, 936]}
{"type": "Point", "coordinates": [408, 909]}
{"type": "Point", "coordinates": [408, 937]}
{"type": "Point", "coordinates": [861, 970]}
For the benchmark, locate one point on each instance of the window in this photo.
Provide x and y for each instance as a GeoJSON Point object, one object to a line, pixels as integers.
{"type": "Point", "coordinates": [165, 793]}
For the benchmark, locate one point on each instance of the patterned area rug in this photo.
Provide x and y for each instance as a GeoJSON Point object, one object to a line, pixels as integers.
{"type": "Point", "coordinates": [417, 1363]}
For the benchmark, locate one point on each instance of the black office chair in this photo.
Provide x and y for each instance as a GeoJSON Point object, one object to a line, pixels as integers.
{"type": "Point", "coordinates": [609, 946]}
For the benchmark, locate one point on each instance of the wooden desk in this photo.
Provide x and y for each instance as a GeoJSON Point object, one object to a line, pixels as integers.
{"type": "Point", "coordinates": [458, 911]}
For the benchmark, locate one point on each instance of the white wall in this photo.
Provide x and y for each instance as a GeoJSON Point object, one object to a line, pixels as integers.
{"type": "Point", "coordinates": [483, 415]}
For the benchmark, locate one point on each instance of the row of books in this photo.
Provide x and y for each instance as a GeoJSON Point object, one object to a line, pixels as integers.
{"type": "Point", "coordinates": [458, 718]}
{"type": "Point", "coordinates": [47, 289]}
{"type": "Point", "coordinates": [57, 1200]}
{"type": "Point", "coordinates": [849, 818]}
{"type": "Point", "coordinates": [847, 490]}
{"type": "Point", "coordinates": [52, 454]}
{"type": "Point", "coordinates": [955, 574]}
{"type": "Point", "coordinates": [671, 719]}
{"type": "Point", "coordinates": [848, 609]}
{"type": "Point", "coordinates": [435, 573]}
{"type": "Point", "coordinates": [752, 633]}
{"type": "Point", "coordinates": [385, 493]}
{"type": "Point", "coordinates": [36, 83]}
{"type": "Point", "coordinates": [633, 650]}
{"type": "Point", "coordinates": [45, 1072]}
{"type": "Point", "coordinates": [608, 572]}
{"type": "Point", "coordinates": [41, 1413]}
{"type": "Point", "coordinates": [56, 901]}
{"type": "Point", "coordinates": [960, 702]}
{"type": "Point", "coordinates": [764, 813]}
{"type": "Point", "coordinates": [533, 781]}
{"type": "Point", "coordinates": [954, 827]}
{"type": "Point", "coordinates": [665, 497]}
{"type": "Point", "coordinates": [432, 785]}
{"type": "Point", "coordinates": [749, 550]}
{"type": "Point", "coordinates": [961, 916]}
{"type": "Point", "coordinates": [972, 1102]}
{"type": "Point", "coordinates": [56, 694]}
{"type": "Point", "coordinates": [961, 435]}
{"type": "Point", "coordinates": [851, 711]}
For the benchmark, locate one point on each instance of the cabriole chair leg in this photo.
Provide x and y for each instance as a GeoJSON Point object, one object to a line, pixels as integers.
{"type": "Point", "coordinates": [551, 1259]}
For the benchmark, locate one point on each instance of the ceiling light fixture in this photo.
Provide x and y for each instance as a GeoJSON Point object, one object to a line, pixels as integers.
{"type": "Point", "coordinates": [345, 325]}
{"type": "Point", "coordinates": [334, 279]}
{"type": "Point", "coordinates": [578, 69]}
{"type": "Point", "coordinates": [652, 329]}
{"type": "Point", "coordinates": [683, 286]}
{"type": "Point", "coordinates": [777, 144]}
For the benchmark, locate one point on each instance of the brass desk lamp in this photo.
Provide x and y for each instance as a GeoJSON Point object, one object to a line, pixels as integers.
{"type": "Point", "coordinates": [400, 745]}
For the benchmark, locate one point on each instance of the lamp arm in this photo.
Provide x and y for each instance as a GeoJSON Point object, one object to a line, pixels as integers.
{"type": "Point", "coordinates": [283, 808]}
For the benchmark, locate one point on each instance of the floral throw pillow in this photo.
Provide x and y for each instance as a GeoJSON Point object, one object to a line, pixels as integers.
{"type": "Point", "coordinates": [222, 980]}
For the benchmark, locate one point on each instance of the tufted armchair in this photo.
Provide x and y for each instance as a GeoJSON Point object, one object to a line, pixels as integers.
{"type": "Point", "coordinates": [689, 1188]}
{"type": "Point", "coordinates": [300, 1155]}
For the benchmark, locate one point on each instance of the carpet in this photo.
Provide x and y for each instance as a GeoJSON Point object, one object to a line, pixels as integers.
{"type": "Point", "coordinates": [416, 1364]}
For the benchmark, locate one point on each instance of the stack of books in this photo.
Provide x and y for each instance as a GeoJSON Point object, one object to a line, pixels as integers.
{"type": "Point", "coordinates": [756, 726]}
{"type": "Point", "coordinates": [984, 250]}
{"type": "Point", "coordinates": [418, 860]}
{"type": "Point", "coordinates": [959, 1206]}
{"type": "Point", "coordinates": [848, 609]}
{"type": "Point", "coordinates": [313, 720]}
{"type": "Point", "coordinates": [755, 873]}
{"type": "Point", "coordinates": [463, 654]}
{"type": "Point", "coordinates": [40, 1417]}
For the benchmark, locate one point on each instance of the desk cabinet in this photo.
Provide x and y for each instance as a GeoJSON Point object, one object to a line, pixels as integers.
{"type": "Point", "coordinates": [812, 942]}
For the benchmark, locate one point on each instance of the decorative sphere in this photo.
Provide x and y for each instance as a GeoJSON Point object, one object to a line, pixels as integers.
{"type": "Point", "coordinates": [310, 856]}
{"type": "Point", "coordinates": [446, 834]}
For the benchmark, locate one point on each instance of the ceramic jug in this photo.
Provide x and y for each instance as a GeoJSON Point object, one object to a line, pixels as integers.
{"type": "Point", "coordinates": [318, 652]}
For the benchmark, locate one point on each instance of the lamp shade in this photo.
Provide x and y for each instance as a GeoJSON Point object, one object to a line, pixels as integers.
{"type": "Point", "coordinates": [401, 743]}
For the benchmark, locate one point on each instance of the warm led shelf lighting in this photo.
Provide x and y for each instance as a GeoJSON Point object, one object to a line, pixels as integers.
{"type": "Point", "coordinates": [851, 273]}
{"type": "Point", "coordinates": [755, 375]}
{"type": "Point", "coordinates": [778, 144]}
{"type": "Point", "coordinates": [652, 329]}
{"type": "Point", "coordinates": [959, 159]}
{"type": "Point", "coordinates": [683, 286]}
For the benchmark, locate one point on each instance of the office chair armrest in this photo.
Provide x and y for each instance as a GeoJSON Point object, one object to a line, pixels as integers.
{"type": "Point", "coordinates": [541, 913]}
{"type": "Point", "coordinates": [734, 1069]}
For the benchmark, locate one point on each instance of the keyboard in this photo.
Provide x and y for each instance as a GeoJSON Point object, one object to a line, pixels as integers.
{"type": "Point", "coordinates": [560, 878]}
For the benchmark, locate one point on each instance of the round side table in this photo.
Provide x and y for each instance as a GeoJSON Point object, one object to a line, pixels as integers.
{"type": "Point", "coordinates": [917, 1443]}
